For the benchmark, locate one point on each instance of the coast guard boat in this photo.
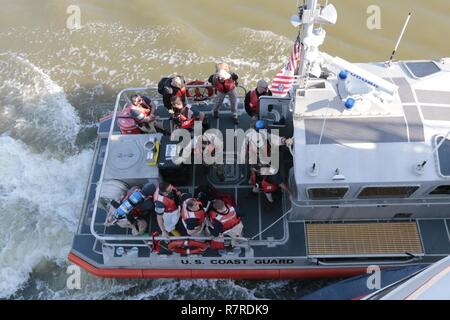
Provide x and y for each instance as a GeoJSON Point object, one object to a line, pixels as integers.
{"type": "Point", "coordinates": [369, 171]}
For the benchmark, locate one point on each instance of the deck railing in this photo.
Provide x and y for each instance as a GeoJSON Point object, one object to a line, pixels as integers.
{"type": "Point", "coordinates": [123, 97]}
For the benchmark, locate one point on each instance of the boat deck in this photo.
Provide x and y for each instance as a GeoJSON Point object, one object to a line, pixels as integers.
{"type": "Point", "coordinates": [284, 244]}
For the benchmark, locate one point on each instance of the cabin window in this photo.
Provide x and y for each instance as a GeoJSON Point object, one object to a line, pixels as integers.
{"type": "Point", "coordinates": [327, 193]}
{"type": "Point", "coordinates": [387, 192]}
{"type": "Point", "coordinates": [441, 190]}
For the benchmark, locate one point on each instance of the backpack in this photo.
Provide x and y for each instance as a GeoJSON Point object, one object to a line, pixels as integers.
{"type": "Point", "coordinates": [161, 84]}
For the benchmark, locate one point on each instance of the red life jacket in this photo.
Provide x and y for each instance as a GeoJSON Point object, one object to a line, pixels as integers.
{"type": "Point", "coordinates": [170, 205]}
{"type": "Point", "coordinates": [254, 100]}
{"type": "Point", "coordinates": [181, 93]}
{"type": "Point", "coordinates": [226, 86]}
{"type": "Point", "coordinates": [186, 122]}
{"type": "Point", "coordinates": [266, 186]}
{"type": "Point", "coordinates": [187, 214]}
{"type": "Point", "coordinates": [145, 111]}
{"type": "Point", "coordinates": [228, 221]}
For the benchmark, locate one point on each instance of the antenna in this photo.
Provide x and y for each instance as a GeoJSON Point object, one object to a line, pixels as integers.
{"type": "Point", "coordinates": [389, 63]}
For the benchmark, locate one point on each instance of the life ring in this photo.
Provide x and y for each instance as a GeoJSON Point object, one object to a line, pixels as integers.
{"type": "Point", "coordinates": [188, 246]}
{"type": "Point", "coordinates": [199, 94]}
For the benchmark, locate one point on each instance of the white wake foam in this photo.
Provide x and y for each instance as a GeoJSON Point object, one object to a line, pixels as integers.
{"type": "Point", "coordinates": [42, 177]}
{"type": "Point", "coordinates": [34, 108]}
{"type": "Point", "coordinates": [40, 202]}
{"type": "Point", "coordinates": [41, 185]}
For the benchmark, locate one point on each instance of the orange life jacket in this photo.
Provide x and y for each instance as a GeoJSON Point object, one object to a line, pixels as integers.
{"type": "Point", "coordinates": [170, 204]}
{"type": "Point", "coordinates": [186, 121]}
{"type": "Point", "coordinates": [144, 111]}
{"type": "Point", "coordinates": [181, 93]}
{"type": "Point", "coordinates": [266, 186]}
{"type": "Point", "coordinates": [226, 86]}
{"type": "Point", "coordinates": [228, 221]}
{"type": "Point", "coordinates": [187, 214]}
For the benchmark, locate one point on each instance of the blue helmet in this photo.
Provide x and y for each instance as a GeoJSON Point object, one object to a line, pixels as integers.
{"type": "Point", "coordinates": [260, 124]}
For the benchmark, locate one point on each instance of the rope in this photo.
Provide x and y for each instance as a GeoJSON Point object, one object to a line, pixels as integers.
{"type": "Point", "coordinates": [273, 224]}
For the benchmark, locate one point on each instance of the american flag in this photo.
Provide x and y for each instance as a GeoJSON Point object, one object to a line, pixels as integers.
{"type": "Point", "coordinates": [284, 79]}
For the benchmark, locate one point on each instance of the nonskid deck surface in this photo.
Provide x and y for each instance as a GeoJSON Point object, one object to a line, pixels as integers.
{"type": "Point", "coordinates": [283, 240]}
{"type": "Point", "coordinates": [257, 213]}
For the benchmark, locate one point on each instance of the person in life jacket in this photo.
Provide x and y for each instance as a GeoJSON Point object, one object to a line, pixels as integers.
{"type": "Point", "coordinates": [184, 116]}
{"type": "Point", "coordinates": [143, 113]}
{"type": "Point", "coordinates": [259, 142]}
{"type": "Point", "coordinates": [263, 176]}
{"type": "Point", "coordinates": [135, 208]}
{"type": "Point", "coordinates": [224, 220]}
{"type": "Point", "coordinates": [269, 184]}
{"type": "Point", "coordinates": [252, 99]}
{"type": "Point", "coordinates": [225, 83]}
{"type": "Point", "coordinates": [208, 151]}
{"type": "Point", "coordinates": [193, 215]}
{"type": "Point", "coordinates": [172, 87]}
{"type": "Point", "coordinates": [167, 199]}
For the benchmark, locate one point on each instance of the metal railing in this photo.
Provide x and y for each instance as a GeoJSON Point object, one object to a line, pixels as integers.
{"type": "Point", "coordinates": [115, 237]}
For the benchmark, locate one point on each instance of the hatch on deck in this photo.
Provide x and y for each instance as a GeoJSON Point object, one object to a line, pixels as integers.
{"type": "Point", "coordinates": [444, 156]}
{"type": "Point", "coordinates": [422, 69]}
{"type": "Point", "coordinates": [370, 130]}
{"type": "Point", "coordinates": [387, 239]}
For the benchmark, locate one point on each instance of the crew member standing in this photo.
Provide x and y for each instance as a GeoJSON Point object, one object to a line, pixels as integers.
{"type": "Point", "coordinates": [225, 83]}
{"type": "Point", "coordinates": [252, 99]}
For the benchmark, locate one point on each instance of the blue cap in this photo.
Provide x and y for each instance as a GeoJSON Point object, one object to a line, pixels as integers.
{"type": "Point", "coordinates": [260, 124]}
{"type": "Point", "coordinates": [350, 103]}
{"type": "Point", "coordinates": [343, 75]}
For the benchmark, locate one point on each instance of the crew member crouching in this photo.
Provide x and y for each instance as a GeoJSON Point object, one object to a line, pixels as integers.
{"type": "Point", "coordinates": [184, 115]}
{"type": "Point", "coordinates": [134, 209]}
{"type": "Point", "coordinates": [172, 87]}
{"type": "Point", "coordinates": [142, 111]}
